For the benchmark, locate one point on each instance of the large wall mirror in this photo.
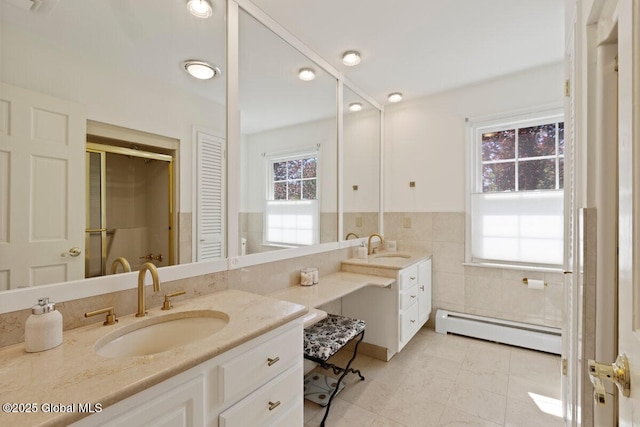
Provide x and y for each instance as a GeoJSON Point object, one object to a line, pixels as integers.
{"type": "Point", "coordinates": [288, 124]}
{"type": "Point", "coordinates": [104, 135]}
{"type": "Point", "coordinates": [361, 153]}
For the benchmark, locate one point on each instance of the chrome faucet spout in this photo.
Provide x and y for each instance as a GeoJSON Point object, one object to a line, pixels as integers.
{"type": "Point", "coordinates": [379, 236]}
{"type": "Point", "coordinates": [147, 266]}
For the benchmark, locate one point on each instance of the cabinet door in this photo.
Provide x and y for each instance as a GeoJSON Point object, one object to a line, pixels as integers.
{"type": "Point", "coordinates": [424, 291]}
{"type": "Point", "coordinates": [171, 406]}
{"type": "Point", "coordinates": [408, 324]}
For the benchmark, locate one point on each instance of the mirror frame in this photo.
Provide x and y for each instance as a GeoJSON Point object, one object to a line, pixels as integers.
{"type": "Point", "coordinates": [24, 298]}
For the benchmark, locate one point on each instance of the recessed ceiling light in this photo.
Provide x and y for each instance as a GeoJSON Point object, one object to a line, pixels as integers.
{"type": "Point", "coordinates": [395, 97]}
{"type": "Point", "coordinates": [355, 106]}
{"type": "Point", "coordinates": [200, 69]}
{"type": "Point", "coordinates": [200, 8]}
{"type": "Point", "coordinates": [351, 58]}
{"type": "Point", "coordinates": [306, 74]}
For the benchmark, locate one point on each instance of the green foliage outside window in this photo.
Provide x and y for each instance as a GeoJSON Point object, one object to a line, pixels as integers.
{"type": "Point", "coordinates": [520, 159]}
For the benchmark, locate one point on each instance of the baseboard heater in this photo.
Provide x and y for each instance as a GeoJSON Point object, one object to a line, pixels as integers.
{"type": "Point", "coordinates": [542, 338]}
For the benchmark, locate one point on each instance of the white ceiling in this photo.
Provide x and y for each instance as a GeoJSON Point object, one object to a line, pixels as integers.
{"type": "Point", "coordinates": [421, 47]}
{"type": "Point", "coordinates": [417, 47]}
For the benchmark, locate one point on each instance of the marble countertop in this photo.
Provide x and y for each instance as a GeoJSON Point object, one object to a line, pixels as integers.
{"type": "Point", "coordinates": [387, 260]}
{"type": "Point", "coordinates": [73, 373]}
{"type": "Point", "coordinates": [329, 288]}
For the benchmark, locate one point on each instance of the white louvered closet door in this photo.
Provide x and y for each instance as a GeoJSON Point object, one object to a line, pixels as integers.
{"type": "Point", "coordinates": [210, 221]}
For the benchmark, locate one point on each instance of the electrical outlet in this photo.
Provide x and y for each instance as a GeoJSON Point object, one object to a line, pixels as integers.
{"type": "Point", "coordinates": [406, 222]}
{"type": "Point", "coordinates": [358, 221]}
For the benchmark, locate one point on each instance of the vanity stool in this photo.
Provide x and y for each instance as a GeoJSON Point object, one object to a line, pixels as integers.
{"type": "Point", "coordinates": [325, 338]}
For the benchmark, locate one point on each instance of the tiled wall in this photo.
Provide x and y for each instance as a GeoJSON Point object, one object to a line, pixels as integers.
{"type": "Point", "coordinates": [261, 279]}
{"type": "Point", "coordinates": [492, 292]}
{"type": "Point", "coordinates": [477, 290]}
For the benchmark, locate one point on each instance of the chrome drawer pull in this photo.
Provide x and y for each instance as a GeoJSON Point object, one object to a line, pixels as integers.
{"type": "Point", "coordinates": [273, 405]}
{"type": "Point", "coordinates": [413, 277]}
{"type": "Point", "coordinates": [271, 361]}
{"type": "Point", "coordinates": [413, 321]}
{"type": "Point", "coordinates": [413, 296]}
{"type": "Point", "coordinates": [422, 288]}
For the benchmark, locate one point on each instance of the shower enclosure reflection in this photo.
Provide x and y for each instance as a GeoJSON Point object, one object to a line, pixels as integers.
{"type": "Point", "coordinates": [129, 193]}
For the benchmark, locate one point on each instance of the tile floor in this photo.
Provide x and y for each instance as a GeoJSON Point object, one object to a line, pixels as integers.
{"type": "Point", "coordinates": [447, 380]}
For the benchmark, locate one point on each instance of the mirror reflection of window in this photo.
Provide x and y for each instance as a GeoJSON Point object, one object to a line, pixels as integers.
{"type": "Point", "coordinates": [293, 121]}
{"type": "Point", "coordinates": [292, 216]}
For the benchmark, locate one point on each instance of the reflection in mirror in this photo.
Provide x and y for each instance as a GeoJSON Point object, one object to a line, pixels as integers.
{"type": "Point", "coordinates": [113, 73]}
{"type": "Point", "coordinates": [289, 145]}
{"type": "Point", "coordinates": [361, 152]}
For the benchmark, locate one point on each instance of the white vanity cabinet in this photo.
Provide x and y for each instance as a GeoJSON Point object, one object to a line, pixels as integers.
{"type": "Point", "coordinates": [395, 314]}
{"type": "Point", "coordinates": [257, 383]}
{"type": "Point", "coordinates": [415, 299]}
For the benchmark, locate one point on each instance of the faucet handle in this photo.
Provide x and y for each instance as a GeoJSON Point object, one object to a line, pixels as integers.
{"type": "Point", "coordinates": [167, 299]}
{"type": "Point", "coordinates": [111, 315]}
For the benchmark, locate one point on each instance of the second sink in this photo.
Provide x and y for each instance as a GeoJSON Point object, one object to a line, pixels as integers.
{"type": "Point", "coordinates": [158, 334]}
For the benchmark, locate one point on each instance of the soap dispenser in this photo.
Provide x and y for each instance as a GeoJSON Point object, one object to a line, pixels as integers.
{"type": "Point", "coordinates": [362, 251]}
{"type": "Point", "coordinates": [43, 328]}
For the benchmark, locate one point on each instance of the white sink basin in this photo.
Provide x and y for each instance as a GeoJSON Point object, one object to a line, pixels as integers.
{"type": "Point", "coordinates": [383, 255]}
{"type": "Point", "coordinates": [158, 334]}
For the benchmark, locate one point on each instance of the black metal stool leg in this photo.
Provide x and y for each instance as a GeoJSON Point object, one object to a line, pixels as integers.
{"type": "Point", "coordinates": [344, 374]}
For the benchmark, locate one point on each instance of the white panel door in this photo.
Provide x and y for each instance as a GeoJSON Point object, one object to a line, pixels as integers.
{"type": "Point", "coordinates": [629, 203]}
{"type": "Point", "coordinates": [42, 187]}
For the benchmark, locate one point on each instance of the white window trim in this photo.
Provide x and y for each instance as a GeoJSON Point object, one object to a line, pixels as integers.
{"type": "Point", "coordinates": [284, 155]}
{"type": "Point", "coordinates": [495, 122]}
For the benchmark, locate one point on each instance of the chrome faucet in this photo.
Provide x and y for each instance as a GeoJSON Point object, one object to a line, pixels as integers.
{"type": "Point", "coordinates": [147, 266]}
{"type": "Point", "coordinates": [123, 262]}
{"type": "Point", "coordinates": [369, 243]}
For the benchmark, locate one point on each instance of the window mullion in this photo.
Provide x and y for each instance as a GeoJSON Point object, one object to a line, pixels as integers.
{"type": "Point", "coordinates": [517, 183]}
{"type": "Point", "coordinates": [557, 157]}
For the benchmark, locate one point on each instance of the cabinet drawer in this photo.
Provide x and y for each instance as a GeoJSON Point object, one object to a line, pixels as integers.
{"type": "Point", "coordinates": [408, 298]}
{"type": "Point", "coordinates": [408, 323]}
{"type": "Point", "coordinates": [270, 403]}
{"type": "Point", "coordinates": [408, 277]}
{"type": "Point", "coordinates": [259, 364]}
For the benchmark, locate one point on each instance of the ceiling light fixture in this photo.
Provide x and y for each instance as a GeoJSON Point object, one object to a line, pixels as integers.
{"type": "Point", "coordinates": [351, 58]}
{"type": "Point", "coordinates": [200, 8]}
{"type": "Point", "coordinates": [395, 97]}
{"type": "Point", "coordinates": [306, 74]}
{"type": "Point", "coordinates": [355, 106]}
{"type": "Point", "coordinates": [200, 69]}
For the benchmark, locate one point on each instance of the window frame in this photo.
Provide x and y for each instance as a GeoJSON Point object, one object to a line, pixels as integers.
{"type": "Point", "coordinates": [288, 155]}
{"type": "Point", "coordinates": [476, 127]}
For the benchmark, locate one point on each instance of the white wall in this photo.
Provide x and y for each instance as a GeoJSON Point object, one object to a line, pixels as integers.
{"type": "Point", "coordinates": [425, 139]}
{"type": "Point", "coordinates": [361, 154]}
{"type": "Point", "coordinates": [304, 135]}
{"type": "Point", "coordinates": [113, 95]}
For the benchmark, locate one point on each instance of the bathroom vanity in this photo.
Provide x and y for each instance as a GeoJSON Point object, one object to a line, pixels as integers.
{"type": "Point", "coordinates": [396, 313]}
{"type": "Point", "coordinates": [248, 371]}
{"type": "Point", "coordinates": [257, 383]}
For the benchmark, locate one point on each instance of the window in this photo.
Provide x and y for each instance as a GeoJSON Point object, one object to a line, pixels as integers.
{"type": "Point", "coordinates": [516, 200]}
{"type": "Point", "coordinates": [292, 210]}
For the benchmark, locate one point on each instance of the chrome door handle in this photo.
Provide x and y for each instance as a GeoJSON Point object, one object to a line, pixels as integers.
{"type": "Point", "coordinates": [617, 372]}
{"type": "Point", "coordinates": [74, 252]}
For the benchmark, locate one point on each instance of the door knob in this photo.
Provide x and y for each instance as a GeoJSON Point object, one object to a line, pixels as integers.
{"type": "Point", "coordinates": [617, 372]}
{"type": "Point", "coordinates": [74, 252]}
